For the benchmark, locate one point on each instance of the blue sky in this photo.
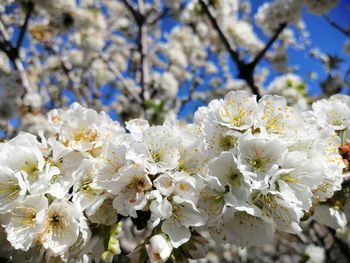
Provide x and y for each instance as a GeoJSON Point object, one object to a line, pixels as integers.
{"type": "Point", "coordinates": [322, 35]}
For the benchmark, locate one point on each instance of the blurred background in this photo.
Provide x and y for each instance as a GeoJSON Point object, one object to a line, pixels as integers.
{"type": "Point", "coordinates": [154, 58]}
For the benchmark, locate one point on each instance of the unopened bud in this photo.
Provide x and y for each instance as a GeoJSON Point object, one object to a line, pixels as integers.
{"type": "Point", "coordinates": [306, 216]}
{"type": "Point", "coordinates": [344, 149]}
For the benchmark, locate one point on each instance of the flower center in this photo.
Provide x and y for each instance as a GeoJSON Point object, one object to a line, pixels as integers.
{"type": "Point", "coordinates": [85, 135]}
{"type": "Point", "coordinates": [9, 189]}
{"type": "Point", "coordinates": [31, 168]}
{"type": "Point", "coordinates": [156, 156]}
{"type": "Point", "coordinates": [227, 142]}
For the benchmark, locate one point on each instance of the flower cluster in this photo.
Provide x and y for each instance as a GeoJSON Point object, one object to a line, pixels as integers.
{"type": "Point", "coordinates": [292, 88]}
{"type": "Point", "coordinates": [334, 112]}
{"type": "Point", "coordinates": [242, 171]}
{"type": "Point", "coordinates": [265, 170]}
{"type": "Point", "coordinates": [320, 7]}
{"type": "Point", "coordinates": [270, 15]}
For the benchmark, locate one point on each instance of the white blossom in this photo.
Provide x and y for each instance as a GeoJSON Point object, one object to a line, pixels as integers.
{"type": "Point", "coordinates": [159, 249]}
{"type": "Point", "coordinates": [27, 221]}
{"type": "Point", "coordinates": [61, 226]}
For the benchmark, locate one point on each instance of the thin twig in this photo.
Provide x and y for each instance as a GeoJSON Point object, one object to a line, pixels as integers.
{"type": "Point", "coordinates": [245, 71]}
{"type": "Point", "coordinates": [67, 71]}
{"type": "Point", "coordinates": [18, 65]}
{"type": "Point", "coordinates": [157, 17]}
{"type": "Point", "coordinates": [119, 76]}
{"type": "Point", "coordinates": [268, 45]}
{"type": "Point", "coordinates": [143, 50]}
{"type": "Point", "coordinates": [336, 26]}
{"type": "Point", "coordinates": [140, 18]}
{"type": "Point", "coordinates": [233, 53]}
{"type": "Point", "coordinates": [25, 26]}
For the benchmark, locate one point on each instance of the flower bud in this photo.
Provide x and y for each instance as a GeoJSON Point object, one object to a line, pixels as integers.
{"type": "Point", "coordinates": [344, 149]}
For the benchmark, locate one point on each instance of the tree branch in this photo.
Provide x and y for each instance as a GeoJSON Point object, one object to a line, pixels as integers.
{"type": "Point", "coordinates": [336, 26]}
{"type": "Point", "coordinates": [17, 63]}
{"type": "Point", "coordinates": [25, 26]}
{"type": "Point", "coordinates": [154, 19]}
{"type": "Point", "coordinates": [268, 45]}
{"type": "Point", "coordinates": [233, 53]}
{"type": "Point", "coordinates": [245, 71]}
{"type": "Point", "coordinates": [67, 72]}
{"type": "Point", "coordinates": [136, 14]}
{"type": "Point", "coordinates": [143, 49]}
{"type": "Point", "coordinates": [140, 18]}
{"type": "Point", "coordinates": [119, 76]}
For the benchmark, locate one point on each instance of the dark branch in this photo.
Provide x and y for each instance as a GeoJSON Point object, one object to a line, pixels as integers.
{"type": "Point", "coordinates": [233, 53]}
{"type": "Point", "coordinates": [245, 71]}
{"type": "Point", "coordinates": [9, 50]}
{"type": "Point", "coordinates": [4, 47]}
{"type": "Point", "coordinates": [167, 12]}
{"type": "Point", "coordinates": [336, 26]}
{"type": "Point", "coordinates": [159, 16]}
{"type": "Point", "coordinates": [13, 51]}
{"type": "Point", "coordinates": [346, 181]}
{"type": "Point", "coordinates": [25, 26]}
{"type": "Point", "coordinates": [268, 45]}
{"type": "Point", "coordinates": [139, 18]}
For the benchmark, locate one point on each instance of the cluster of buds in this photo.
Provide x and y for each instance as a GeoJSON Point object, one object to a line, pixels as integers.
{"type": "Point", "coordinates": [344, 151]}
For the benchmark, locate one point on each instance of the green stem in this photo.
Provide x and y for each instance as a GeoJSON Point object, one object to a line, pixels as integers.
{"type": "Point", "coordinates": [342, 135]}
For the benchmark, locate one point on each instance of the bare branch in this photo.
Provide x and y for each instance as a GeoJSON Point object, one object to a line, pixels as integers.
{"type": "Point", "coordinates": [136, 14]}
{"type": "Point", "coordinates": [154, 19]}
{"type": "Point", "coordinates": [25, 25]}
{"type": "Point", "coordinates": [268, 45]}
{"type": "Point", "coordinates": [245, 71]}
{"type": "Point", "coordinates": [336, 26]}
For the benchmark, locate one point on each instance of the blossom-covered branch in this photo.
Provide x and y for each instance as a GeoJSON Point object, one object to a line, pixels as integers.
{"type": "Point", "coordinates": [236, 173]}
{"type": "Point", "coordinates": [13, 53]}
{"type": "Point", "coordinates": [245, 70]}
{"type": "Point", "coordinates": [268, 45]}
